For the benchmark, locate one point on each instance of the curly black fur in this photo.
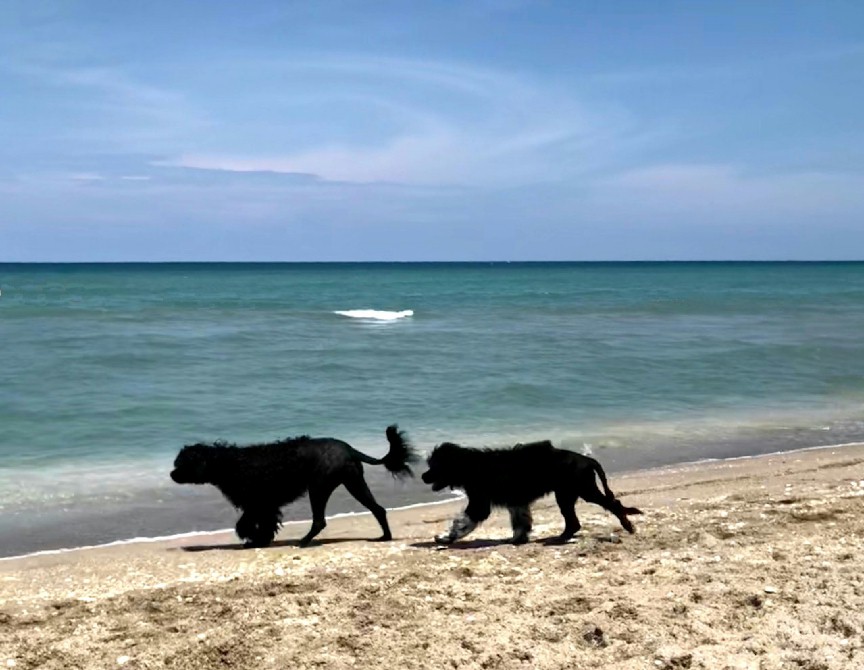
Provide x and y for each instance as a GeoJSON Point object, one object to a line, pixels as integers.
{"type": "Point", "coordinates": [259, 479]}
{"type": "Point", "coordinates": [514, 478]}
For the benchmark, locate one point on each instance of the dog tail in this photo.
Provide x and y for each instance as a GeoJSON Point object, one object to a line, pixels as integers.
{"type": "Point", "coordinates": [609, 495]}
{"type": "Point", "coordinates": [398, 459]}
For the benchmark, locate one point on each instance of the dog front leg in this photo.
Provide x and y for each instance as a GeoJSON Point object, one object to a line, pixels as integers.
{"type": "Point", "coordinates": [245, 528]}
{"type": "Point", "coordinates": [463, 524]}
{"type": "Point", "coordinates": [257, 528]}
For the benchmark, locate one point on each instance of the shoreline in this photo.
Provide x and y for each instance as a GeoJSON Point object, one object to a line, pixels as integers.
{"type": "Point", "coordinates": [179, 538]}
{"type": "Point", "coordinates": [171, 539]}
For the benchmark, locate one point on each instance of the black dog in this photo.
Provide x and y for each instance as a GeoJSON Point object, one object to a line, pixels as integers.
{"type": "Point", "coordinates": [514, 478]}
{"type": "Point", "coordinates": [261, 478]}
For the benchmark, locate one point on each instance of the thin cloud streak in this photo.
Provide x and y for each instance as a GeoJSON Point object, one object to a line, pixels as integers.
{"type": "Point", "coordinates": [702, 195]}
{"type": "Point", "coordinates": [110, 108]}
{"type": "Point", "coordinates": [497, 136]}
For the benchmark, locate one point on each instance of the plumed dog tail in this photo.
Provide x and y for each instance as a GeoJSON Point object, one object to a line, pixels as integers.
{"type": "Point", "coordinates": [598, 469]}
{"type": "Point", "coordinates": [401, 453]}
{"type": "Point", "coordinates": [399, 457]}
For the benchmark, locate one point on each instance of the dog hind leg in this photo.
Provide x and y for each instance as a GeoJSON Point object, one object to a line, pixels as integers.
{"type": "Point", "coordinates": [358, 488]}
{"type": "Point", "coordinates": [590, 493]}
{"type": "Point", "coordinates": [521, 521]}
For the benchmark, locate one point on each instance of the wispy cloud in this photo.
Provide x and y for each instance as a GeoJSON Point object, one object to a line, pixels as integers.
{"type": "Point", "coordinates": [86, 176]}
{"type": "Point", "coordinates": [703, 194]}
{"type": "Point", "coordinates": [108, 107]}
{"type": "Point", "coordinates": [451, 124]}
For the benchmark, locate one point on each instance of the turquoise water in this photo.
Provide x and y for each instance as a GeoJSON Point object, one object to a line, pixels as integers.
{"type": "Point", "coordinates": [107, 370]}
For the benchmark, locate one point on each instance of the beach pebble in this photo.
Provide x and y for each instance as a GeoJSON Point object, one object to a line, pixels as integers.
{"type": "Point", "coordinates": [10, 663]}
{"type": "Point", "coordinates": [770, 589]}
{"type": "Point", "coordinates": [122, 660]}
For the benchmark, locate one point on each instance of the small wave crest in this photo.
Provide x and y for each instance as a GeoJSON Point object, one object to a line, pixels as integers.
{"type": "Point", "coordinates": [375, 314]}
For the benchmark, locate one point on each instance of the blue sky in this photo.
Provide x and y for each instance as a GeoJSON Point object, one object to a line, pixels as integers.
{"type": "Point", "coordinates": [471, 130]}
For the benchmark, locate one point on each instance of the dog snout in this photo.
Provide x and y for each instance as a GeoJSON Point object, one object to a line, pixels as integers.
{"type": "Point", "coordinates": [427, 477]}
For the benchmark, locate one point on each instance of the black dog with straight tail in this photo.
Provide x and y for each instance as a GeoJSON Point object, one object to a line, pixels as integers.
{"type": "Point", "coordinates": [514, 478]}
{"type": "Point", "coordinates": [259, 479]}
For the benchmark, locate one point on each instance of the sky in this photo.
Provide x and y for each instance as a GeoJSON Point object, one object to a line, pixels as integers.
{"type": "Point", "coordinates": [215, 130]}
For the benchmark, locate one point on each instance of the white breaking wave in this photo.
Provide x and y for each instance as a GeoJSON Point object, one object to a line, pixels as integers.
{"type": "Point", "coordinates": [375, 314]}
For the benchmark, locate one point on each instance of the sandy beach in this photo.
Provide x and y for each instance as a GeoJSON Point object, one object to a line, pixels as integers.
{"type": "Point", "coordinates": [751, 563]}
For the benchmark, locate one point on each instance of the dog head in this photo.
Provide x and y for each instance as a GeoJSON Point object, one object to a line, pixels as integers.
{"type": "Point", "coordinates": [194, 464]}
{"type": "Point", "coordinates": [446, 467]}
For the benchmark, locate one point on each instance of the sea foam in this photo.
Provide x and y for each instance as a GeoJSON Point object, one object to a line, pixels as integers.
{"type": "Point", "coordinates": [375, 314]}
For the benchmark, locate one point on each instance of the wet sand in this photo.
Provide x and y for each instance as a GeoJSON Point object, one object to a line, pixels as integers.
{"type": "Point", "coordinates": [751, 563]}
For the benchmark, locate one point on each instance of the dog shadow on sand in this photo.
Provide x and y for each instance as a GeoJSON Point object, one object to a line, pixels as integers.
{"type": "Point", "coordinates": [237, 546]}
{"type": "Point", "coordinates": [480, 543]}
{"type": "Point", "coordinates": [501, 542]}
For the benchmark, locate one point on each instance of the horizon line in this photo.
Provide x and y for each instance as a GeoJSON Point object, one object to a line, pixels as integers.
{"type": "Point", "coordinates": [436, 262]}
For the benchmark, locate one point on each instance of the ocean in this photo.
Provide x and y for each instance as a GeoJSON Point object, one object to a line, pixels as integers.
{"type": "Point", "coordinates": [108, 369]}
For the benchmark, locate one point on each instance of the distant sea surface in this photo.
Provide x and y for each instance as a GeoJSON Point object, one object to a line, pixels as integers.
{"type": "Point", "coordinates": [106, 370]}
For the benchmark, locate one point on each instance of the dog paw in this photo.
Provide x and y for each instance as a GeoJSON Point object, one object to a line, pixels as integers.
{"type": "Point", "coordinates": [444, 539]}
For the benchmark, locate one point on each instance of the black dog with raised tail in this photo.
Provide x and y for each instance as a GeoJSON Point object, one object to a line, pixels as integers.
{"type": "Point", "coordinates": [261, 478]}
